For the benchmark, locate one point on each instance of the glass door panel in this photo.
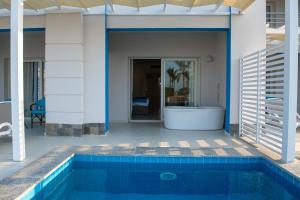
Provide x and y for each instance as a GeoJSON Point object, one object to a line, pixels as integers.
{"type": "Point", "coordinates": [179, 82]}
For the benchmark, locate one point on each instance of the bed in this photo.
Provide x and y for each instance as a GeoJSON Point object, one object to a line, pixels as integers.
{"type": "Point", "coordinates": [140, 105]}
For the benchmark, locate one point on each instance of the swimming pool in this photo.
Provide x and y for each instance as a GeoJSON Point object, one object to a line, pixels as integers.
{"type": "Point", "coordinates": [176, 178]}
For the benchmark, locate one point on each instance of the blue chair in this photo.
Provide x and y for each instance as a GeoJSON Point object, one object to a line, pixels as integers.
{"type": "Point", "coordinates": [38, 110]}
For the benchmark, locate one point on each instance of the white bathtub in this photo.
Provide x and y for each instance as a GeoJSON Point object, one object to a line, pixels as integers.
{"type": "Point", "coordinates": [194, 118]}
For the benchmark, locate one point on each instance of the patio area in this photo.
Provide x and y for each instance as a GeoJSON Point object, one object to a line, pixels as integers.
{"type": "Point", "coordinates": [124, 135]}
{"type": "Point", "coordinates": [128, 135]}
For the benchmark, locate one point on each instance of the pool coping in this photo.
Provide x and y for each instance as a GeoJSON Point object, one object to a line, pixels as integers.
{"type": "Point", "coordinates": [19, 185]}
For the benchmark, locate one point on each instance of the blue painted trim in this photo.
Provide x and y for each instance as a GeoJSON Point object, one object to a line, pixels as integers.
{"type": "Point", "coordinates": [106, 128]}
{"type": "Point", "coordinates": [166, 29]}
{"type": "Point", "coordinates": [228, 74]}
{"type": "Point", "coordinates": [25, 30]}
{"type": "Point", "coordinates": [37, 81]}
{"type": "Point", "coordinates": [226, 161]}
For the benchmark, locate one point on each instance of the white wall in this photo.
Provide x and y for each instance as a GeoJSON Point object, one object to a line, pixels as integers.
{"type": "Point", "coordinates": [124, 45]}
{"type": "Point", "coordinates": [64, 73]}
{"type": "Point", "coordinates": [94, 69]}
{"type": "Point", "coordinates": [80, 47]}
{"type": "Point", "coordinates": [34, 47]}
{"type": "Point", "coordinates": [248, 35]}
{"type": "Point", "coordinates": [93, 55]}
{"type": "Point", "coordinates": [221, 59]}
{"type": "Point", "coordinates": [168, 21]}
{"type": "Point", "coordinates": [29, 22]}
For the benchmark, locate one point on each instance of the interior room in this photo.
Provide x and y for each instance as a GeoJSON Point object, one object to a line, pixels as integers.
{"type": "Point", "coordinates": [146, 89]}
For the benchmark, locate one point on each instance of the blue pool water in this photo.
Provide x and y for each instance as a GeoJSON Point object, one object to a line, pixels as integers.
{"type": "Point", "coordinates": [174, 180]}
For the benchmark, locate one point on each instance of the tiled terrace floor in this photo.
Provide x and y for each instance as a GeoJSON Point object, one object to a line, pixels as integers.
{"type": "Point", "coordinates": [121, 135]}
{"type": "Point", "coordinates": [129, 136]}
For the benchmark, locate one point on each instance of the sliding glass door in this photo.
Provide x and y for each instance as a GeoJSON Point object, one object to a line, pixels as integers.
{"type": "Point", "coordinates": [145, 90]}
{"type": "Point", "coordinates": [179, 82]}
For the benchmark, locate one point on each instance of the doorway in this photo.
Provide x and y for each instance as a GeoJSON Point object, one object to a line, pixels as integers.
{"type": "Point", "coordinates": [156, 83]}
{"type": "Point", "coordinates": [145, 90]}
{"type": "Point", "coordinates": [33, 82]}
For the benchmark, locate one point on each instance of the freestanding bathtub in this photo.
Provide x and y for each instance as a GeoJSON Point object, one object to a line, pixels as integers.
{"type": "Point", "coordinates": [194, 118]}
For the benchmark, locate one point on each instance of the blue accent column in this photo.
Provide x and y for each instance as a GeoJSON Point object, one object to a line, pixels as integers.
{"type": "Point", "coordinates": [228, 74]}
{"type": "Point", "coordinates": [106, 128]}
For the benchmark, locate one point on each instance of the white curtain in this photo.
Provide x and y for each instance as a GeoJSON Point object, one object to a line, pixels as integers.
{"type": "Point", "coordinates": [29, 88]}
{"type": "Point", "coordinates": [32, 83]}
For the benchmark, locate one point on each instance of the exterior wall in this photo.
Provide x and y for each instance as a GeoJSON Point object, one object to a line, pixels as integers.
{"type": "Point", "coordinates": [171, 21]}
{"type": "Point", "coordinates": [94, 69]}
{"type": "Point", "coordinates": [63, 68]}
{"type": "Point", "coordinates": [125, 45]}
{"type": "Point", "coordinates": [75, 74]}
{"type": "Point", "coordinates": [248, 35]}
{"type": "Point", "coordinates": [75, 57]}
{"type": "Point", "coordinates": [64, 72]}
{"type": "Point", "coordinates": [220, 63]}
{"type": "Point", "coordinates": [34, 47]}
{"type": "Point", "coordinates": [29, 22]}
{"type": "Point", "coordinates": [33, 43]}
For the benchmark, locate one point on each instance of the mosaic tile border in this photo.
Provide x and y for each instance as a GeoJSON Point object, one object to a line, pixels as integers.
{"type": "Point", "coordinates": [280, 174]}
{"type": "Point", "coordinates": [74, 129]}
{"type": "Point", "coordinates": [169, 159]}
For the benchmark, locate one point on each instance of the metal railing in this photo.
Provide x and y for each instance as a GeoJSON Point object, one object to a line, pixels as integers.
{"type": "Point", "coordinates": [276, 19]}
{"type": "Point", "coordinates": [261, 97]}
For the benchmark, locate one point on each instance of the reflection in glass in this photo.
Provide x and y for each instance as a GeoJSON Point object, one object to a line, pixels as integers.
{"type": "Point", "coordinates": [179, 82]}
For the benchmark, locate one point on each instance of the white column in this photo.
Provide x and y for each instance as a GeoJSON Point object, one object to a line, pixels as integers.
{"type": "Point", "coordinates": [64, 70]}
{"type": "Point", "coordinates": [16, 60]}
{"type": "Point", "coordinates": [290, 82]}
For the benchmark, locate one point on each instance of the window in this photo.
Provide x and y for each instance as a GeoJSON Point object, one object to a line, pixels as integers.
{"type": "Point", "coordinates": [179, 82]}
